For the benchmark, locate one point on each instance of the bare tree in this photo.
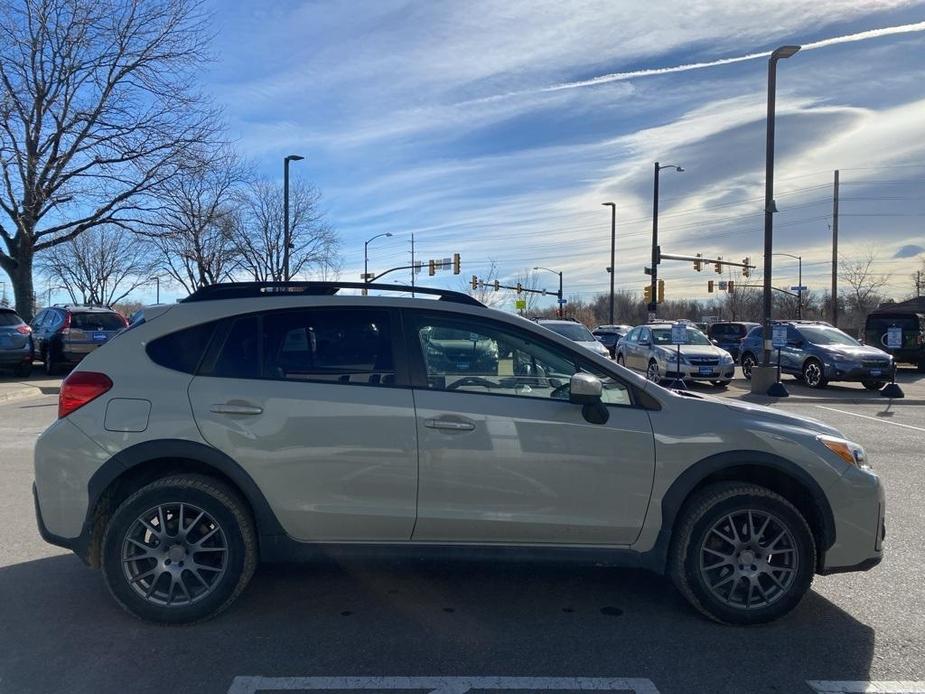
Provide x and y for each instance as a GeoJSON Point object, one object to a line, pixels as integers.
{"type": "Point", "coordinates": [96, 104]}
{"type": "Point", "coordinates": [313, 242]}
{"type": "Point", "coordinates": [864, 284]}
{"type": "Point", "coordinates": [485, 292]}
{"type": "Point", "coordinates": [195, 228]}
{"type": "Point", "coordinates": [101, 266]}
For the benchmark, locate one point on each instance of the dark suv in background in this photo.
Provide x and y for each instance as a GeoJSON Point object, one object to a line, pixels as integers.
{"type": "Point", "coordinates": [610, 335]}
{"type": "Point", "coordinates": [817, 353]}
{"type": "Point", "coordinates": [63, 335]}
{"type": "Point", "coordinates": [728, 335]}
{"type": "Point", "coordinates": [15, 343]}
{"type": "Point", "coordinates": [908, 315]}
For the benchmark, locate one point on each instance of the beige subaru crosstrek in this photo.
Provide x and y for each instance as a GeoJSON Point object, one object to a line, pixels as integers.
{"type": "Point", "coordinates": [262, 422]}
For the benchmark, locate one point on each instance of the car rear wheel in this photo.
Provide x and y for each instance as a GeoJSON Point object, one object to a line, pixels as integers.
{"type": "Point", "coordinates": [747, 362]}
{"type": "Point", "coordinates": [51, 364]}
{"type": "Point", "coordinates": [742, 554]}
{"type": "Point", "coordinates": [652, 372]}
{"type": "Point", "coordinates": [873, 385]}
{"type": "Point", "coordinates": [179, 550]}
{"type": "Point", "coordinates": [24, 370]}
{"type": "Point", "coordinates": [813, 375]}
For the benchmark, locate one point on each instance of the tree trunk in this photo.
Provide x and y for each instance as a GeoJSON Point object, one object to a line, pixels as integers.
{"type": "Point", "coordinates": [23, 289]}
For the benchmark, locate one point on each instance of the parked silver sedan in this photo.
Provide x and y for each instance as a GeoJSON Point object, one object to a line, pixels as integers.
{"type": "Point", "coordinates": [648, 348]}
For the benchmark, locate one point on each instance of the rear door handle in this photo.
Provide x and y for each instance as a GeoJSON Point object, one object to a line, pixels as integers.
{"type": "Point", "coordinates": [450, 424]}
{"type": "Point", "coordinates": [228, 408]}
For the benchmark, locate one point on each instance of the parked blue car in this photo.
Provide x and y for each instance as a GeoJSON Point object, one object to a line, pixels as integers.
{"type": "Point", "coordinates": [817, 353]}
{"type": "Point", "coordinates": [728, 335]}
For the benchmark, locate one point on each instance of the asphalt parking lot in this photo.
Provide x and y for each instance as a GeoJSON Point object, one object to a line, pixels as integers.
{"type": "Point", "coordinates": [439, 626]}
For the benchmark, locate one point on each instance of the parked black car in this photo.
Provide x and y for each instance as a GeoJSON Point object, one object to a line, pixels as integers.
{"type": "Point", "coordinates": [15, 343]}
{"type": "Point", "coordinates": [908, 315]}
{"type": "Point", "coordinates": [610, 335]}
{"type": "Point", "coordinates": [728, 335]}
{"type": "Point", "coordinates": [63, 335]}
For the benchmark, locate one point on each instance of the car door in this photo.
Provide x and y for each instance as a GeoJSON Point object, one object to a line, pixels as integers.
{"type": "Point", "coordinates": [38, 333]}
{"type": "Point", "coordinates": [505, 457]}
{"type": "Point", "coordinates": [314, 404]}
{"type": "Point", "coordinates": [791, 356]}
{"type": "Point", "coordinates": [641, 349]}
{"type": "Point", "coordinates": [629, 345]}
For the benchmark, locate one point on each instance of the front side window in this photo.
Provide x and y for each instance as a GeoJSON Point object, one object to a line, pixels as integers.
{"type": "Point", "coordinates": [469, 355]}
{"type": "Point", "coordinates": [633, 335]}
{"type": "Point", "coordinates": [822, 335]}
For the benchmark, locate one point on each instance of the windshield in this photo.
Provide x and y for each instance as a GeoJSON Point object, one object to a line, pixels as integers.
{"type": "Point", "coordinates": [819, 335]}
{"type": "Point", "coordinates": [573, 331]}
{"type": "Point", "coordinates": [662, 336]}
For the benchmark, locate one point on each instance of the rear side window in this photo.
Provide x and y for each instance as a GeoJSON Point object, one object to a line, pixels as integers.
{"type": "Point", "coordinates": [8, 318]}
{"type": "Point", "coordinates": [97, 321]}
{"type": "Point", "coordinates": [182, 350]}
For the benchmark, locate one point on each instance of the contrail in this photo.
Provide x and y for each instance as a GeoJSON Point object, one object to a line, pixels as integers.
{"type": "Point", "coordinates": [635, 74]}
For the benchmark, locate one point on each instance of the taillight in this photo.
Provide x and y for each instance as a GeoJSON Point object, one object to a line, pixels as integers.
{"type": "Point", "coordinates": [66, 327]}
{"type": "Point", "coordinates": [80, 388]}
{"type": "Point", "coordinates": [23, 329]}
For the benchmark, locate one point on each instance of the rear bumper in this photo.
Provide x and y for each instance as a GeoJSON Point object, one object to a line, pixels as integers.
{"type": "Point", "coordinates": [78, 545]}
{"type": "Point", "coordinates": [15, 357]}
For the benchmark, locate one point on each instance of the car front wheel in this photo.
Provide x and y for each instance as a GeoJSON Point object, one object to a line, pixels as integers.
{"type": "Point", "coordinates": [652, 372]}
{"type": "Point", "coordinates": [179, 550]}
{"type": "Point", "coordinates": [813, 376]}
{"type": "Point", "coordinates": [742, 554]}
{"type": "Point", "coordinates": [748, 361]}
{"type": "Point", "coordinates": [873, 385]}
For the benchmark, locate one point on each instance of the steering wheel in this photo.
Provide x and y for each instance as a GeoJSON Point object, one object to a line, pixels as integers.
{"type": "Point", "coordinates": [472, 381]}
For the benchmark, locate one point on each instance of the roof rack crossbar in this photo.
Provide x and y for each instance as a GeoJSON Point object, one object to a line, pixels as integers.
{"type": "Point", "coordinates": [252, 290]}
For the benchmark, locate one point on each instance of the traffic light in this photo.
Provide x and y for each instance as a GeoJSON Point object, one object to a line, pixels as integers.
{"type": "Point", "coordinates": [456, 263]}
{"type": "Point", "coordinates": [710, 286]}
{"type": "Point", "coordinates": [661, 291]}
{"type": "Point", "coordinates": [431, 267]}
{"type": "Point", "coordinates": [647, 293]}
{"type": "Point", "coordinates": [475, 281]}
{"type": "Point", "coordinates": [746, 271]}
{"type": "Point", "coordinates": [520, 288]}
{"type": "Point", "coordinates": [730, 287]}
{"type": "Point", "coordinates": [497, 285]}
{"type": "Point", "coordinates": [719, 265]}
{"type": "Point", "coordinates": [698, 264]}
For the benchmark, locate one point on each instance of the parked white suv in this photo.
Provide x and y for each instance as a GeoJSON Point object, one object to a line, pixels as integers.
{"type": "Point", "coordinates": [272, 422]}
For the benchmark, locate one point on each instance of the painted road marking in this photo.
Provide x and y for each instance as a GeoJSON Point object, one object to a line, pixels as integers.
{"type": "Point", "coordinates": [874, 419]}
{"type": "Point", "coordinates": [442, 685]}
{"type": "Point", "coordinates": [863, 687]}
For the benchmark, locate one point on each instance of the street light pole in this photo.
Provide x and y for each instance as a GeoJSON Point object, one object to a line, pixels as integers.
{"type": "Point", "coordinates": [286, 240]}
{"type": "Point", "coordinates": [778, 54]}
{"type": "Point", "coordinates": [613, 248]}
{"type": "Point", "coordinates": [653, 304]}
{"type": "Point", "coordinates": [560, 312]}
{"type": "Point", "coordinates": [366, 258]}
{"type": "Point", "coordinates": [799, 260]}
{"type": "Point", "coordinates": [157, 283]}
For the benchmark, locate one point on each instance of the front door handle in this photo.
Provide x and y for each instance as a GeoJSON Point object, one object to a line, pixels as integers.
{"type": "Point", "coordinates": [229, 408]}
{"type": "Point", "coordinates": [450, 424]}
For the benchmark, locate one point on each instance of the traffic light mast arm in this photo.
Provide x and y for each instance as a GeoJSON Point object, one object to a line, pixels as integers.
{"type": "Point", "coordinates": [496, 285]}
{"type": "Point", "coordinates": [761, 286]}
{"type": "Point", "coordinates": [705, 261]}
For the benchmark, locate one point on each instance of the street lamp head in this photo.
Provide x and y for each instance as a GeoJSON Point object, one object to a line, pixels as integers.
{"type": "Point", "coordinates": [784, 52]}
{"type": "Point", "coordinates": [294, 157]}
{"type": "Point", "coordinates": [610, 204]}
{"type": "Point", "coordinates": [388, 234]}
{"type": "Point", "coordinates": [679, 169]}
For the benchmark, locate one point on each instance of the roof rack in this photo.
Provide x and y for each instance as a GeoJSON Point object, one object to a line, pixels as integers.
{"type": "Point", "coordinates": [253, 290]}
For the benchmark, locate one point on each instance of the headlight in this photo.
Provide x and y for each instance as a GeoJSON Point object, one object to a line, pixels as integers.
{"type": "Point", "coordinates": [673, 357]}
{"type": "Point", "coordinates": [852, 453]}
{"type": "Point", "coordinates": [726, 358]}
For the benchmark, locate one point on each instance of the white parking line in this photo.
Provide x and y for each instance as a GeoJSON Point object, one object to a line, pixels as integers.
{"type": "Point", "coordinates": [440, 685]}
{"type": "Point", "coordinates": [866, 687]}
{"type": "Point", "coordinates": [874, 419]}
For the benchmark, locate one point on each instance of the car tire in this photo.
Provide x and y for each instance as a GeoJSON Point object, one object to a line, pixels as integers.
{"type": "Point", "coordinates": [51, 366]}
{"type": "Point", "coordinates": [921, 367]}
{"type": "Point", "coordinates": [23, 370]}
{"type": "Point", "coordinates": [873, 385]}
{"type": "Point", "coordinates": [735, 520]}
{"type": "Point", "coordinates": [747, 362]}
{"type": "Point", "coordinates": [620, 359]}
{"type": "Point", "coordinates": [199, 583]}
{"type": "Point", "coordinates": [652, 372]}
{"type": "Point", "coordinates": [813, 374]}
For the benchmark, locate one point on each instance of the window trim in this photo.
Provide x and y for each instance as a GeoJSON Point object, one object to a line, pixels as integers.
{"type": "Point", "coordinates": [226, 323]}
{"type": "Point", "coordinates": [418, 368]}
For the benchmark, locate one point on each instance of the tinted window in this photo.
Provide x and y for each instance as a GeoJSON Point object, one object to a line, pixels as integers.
{"type": "Point", "coordinates": [183, 349]}
{"type": "Point", "coordinates": [8, 318]}
{"type": "Point", "coordinates": [97, 321]}
{"type": "Point", "coordinates": [573, 331]}
{"type": "Point", "coordinates": [820, 335]}
{"type": "Point", "coordinates": [473, 356]}
{"type": "Point", "coordinates": [353, 346]}
{"type": "Point", "coordinates": [240, 355]}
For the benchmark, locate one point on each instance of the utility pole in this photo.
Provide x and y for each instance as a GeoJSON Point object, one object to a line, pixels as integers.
{"type": "Point", "coordinates": [918, 284]}
{"type": "Point", "coordinates": [613, 247]}
{"type": "Point", "coordinates": [157, 281]}
{"type": "Point", "coordinates": [835, 252]}
{"type": "Point", "coordinates": [653, 306]}
{"type": "Point", "coordinates": [412, 266]}
{"type": "Point", "coordinates": [286, 240]}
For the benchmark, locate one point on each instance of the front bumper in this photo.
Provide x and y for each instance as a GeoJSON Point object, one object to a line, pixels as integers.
{"type": "Point", "coordinates": [856, 372]}
{"type": "Point", "coordinates": [859, 506]}
{"type": "Point", "coordinates": [688, 372]}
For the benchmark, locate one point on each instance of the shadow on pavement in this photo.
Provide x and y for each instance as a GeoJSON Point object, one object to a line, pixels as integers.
{"type": "Point", "coordinates": [61, 631]}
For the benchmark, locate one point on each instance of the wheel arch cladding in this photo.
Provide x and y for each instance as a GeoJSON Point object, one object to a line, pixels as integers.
{"type": "Point", "coordinates": [138, 465]}
{"type": "Point", "coordinates": [767, 470]}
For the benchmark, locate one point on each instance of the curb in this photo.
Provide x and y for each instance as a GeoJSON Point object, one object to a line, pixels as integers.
{"type": "Point", "coordinates": [26, 390]}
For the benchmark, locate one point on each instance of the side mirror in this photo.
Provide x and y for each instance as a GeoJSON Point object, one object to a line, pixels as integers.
{"type": "Point", "coordinates": [795, 343]}
{"type": "Point", "coordinates": [715, 342]}
{"type": "Point", "coordinates": [585, 389]}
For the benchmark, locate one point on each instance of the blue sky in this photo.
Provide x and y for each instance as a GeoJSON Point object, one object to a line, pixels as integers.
{"type": "Point", "coordinates": [438, 118]}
